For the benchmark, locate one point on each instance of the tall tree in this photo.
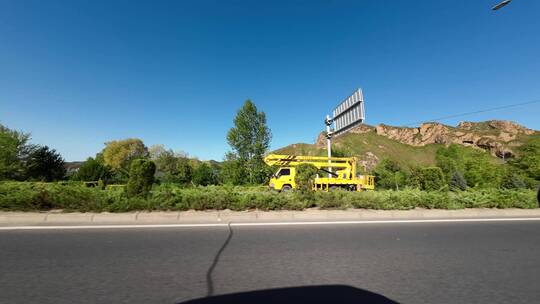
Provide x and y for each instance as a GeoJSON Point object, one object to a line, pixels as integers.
{"type": "Point", "coordinates": [14, 149]}
{"type": "Point", "coordinates": [45, 164]}
{"type": "Point", "coordinates": [250, 138]}
{"type": "Point", "coordinates": [118, 154]}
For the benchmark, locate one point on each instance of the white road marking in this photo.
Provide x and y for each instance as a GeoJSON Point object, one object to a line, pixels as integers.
{"type": "Point", "coordinates": [248, 224]}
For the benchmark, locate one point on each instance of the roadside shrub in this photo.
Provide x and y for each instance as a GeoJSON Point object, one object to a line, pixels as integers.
{"type": "Point", "coordinates": [338, 199]}
{"type": "Point", "coordinates": [26, 196]}
{"type": "Point", "coordinates": [141, 177]}
{"type": "Point", "coordinates": [35, 196]}
{"type": "Point", "coordinates": [496, 198]}
{"type": "Point", "coordinates": [368, 200]}
{"type": "Point", "coordinates": [263, 200]}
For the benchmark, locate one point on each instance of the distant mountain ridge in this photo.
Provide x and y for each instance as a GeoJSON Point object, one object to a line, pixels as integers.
{"type": "Point", "coordinates": [418, 145]}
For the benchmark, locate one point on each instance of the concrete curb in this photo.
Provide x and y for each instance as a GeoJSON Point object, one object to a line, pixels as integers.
{"type": "Point", "coordinates": [225, 216]}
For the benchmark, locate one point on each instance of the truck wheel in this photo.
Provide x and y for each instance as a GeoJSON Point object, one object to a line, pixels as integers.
{"type": "Point", "coordinates": [286, 188]}
{"type": "Point", "coordinates": [333, 188]}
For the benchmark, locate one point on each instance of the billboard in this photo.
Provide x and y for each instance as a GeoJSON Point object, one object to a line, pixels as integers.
{"type": "Point", "coordinates": [349, 113]}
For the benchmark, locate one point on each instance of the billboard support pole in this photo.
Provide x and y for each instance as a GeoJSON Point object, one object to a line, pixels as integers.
{"type": "Point", "coordinates": [328, 122]}
{"type": "Point", "coordinates": [348, 114]}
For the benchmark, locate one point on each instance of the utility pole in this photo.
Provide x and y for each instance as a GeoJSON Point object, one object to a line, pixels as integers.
{"type": "Point", "coordinates": [328, 122]}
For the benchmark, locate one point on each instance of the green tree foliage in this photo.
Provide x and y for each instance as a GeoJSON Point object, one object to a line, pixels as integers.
{"type": "Point", "coordinates": [415, 178]}
{"type": "Point", "coordinates": [184, 171]}
{"type": "Point", "coordinates": [483, 173]}
{"type": "Point", "coordinates": [514, 181]}
{"type": "Point", "coordinates": [528, 159]}
{"type": "Point", "coordinates": [171, 167]}
{"type": "Point", "coordinates": [305, 176]}
{"type": "Point", "coordinates": [141, 177]}
{"type": "Point", "coordinates": [389, 175]}
{"type": "Point", "coordinates": [118, 154]}
{"type": "Point", "coordinates": [232, 171]}
{"type": "Point", "coordinates": [432, 179]}
{"type": "Point", "coordinates": [45, 164]}
{"type": "Point", "coordinates": [14, 148]}
{"type": "Point", "coordinates": [457, 181]}
{"type": "Point", "coordinates": [205, 175]}
{"type": "Point", "coordinates": [451, 159]}
{"type": "Point", "coordinates": [93, 170]}
{"type": "Point", "coordinates": [515, 178]}
{"type": "Point", "coordinates": [250, 138]}
{"type": "Point", "coordinates": [337, 152]}
{"type": "Point", "coordinates": [478, 167]}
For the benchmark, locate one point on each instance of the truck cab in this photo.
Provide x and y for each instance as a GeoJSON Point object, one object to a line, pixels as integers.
{"type": "Point", "coordinates": [283, 179]}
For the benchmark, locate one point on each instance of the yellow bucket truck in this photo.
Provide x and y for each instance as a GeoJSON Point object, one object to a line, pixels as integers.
{"type": "Point", "coordinates": [336, 173]}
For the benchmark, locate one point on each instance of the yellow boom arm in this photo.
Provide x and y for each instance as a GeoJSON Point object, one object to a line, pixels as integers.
{"type": "Point", "coordinates": [317, 161]}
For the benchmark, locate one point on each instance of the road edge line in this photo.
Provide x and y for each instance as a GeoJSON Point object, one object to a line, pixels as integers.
{"type": "Point", "coordinates": [254, 224]}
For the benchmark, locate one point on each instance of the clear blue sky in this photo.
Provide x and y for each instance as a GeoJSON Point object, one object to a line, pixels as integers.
{"type": "Point", "coordinates": [79, 73]}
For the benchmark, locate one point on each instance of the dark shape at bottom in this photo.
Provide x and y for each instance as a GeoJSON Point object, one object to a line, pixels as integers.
{"type": "Point", "coordinates": [538, 196]}
{"type": "Point", "coordinates": [306, 294]}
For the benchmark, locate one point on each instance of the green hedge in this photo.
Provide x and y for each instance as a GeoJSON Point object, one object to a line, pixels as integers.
{"type": "Point", "coordinates": [27, 196]}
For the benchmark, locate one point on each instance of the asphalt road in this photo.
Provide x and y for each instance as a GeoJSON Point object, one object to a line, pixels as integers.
{"type": "Point", "coordinates": [489, 262]}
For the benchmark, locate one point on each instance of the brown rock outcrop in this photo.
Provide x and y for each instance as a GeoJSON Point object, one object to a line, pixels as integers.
{"type": "Point", "coordinates": [493, 135]}
{"type": "Point", "coordinates": [427, 133]}
{"type": "Point", "coordinates": [361, 129]}
{"type": "Point", "coordinates": [496, 136]}
{"type": "Point", "coordinates": [504, 126]}
{"type": "Point", "coordinates": [368, 161]}
{"type": "Point", "coordinates": [321, 140]}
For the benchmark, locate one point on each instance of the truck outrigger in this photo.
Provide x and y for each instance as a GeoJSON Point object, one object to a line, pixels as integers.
{"type": "Point", "coordinates": [338, 173]}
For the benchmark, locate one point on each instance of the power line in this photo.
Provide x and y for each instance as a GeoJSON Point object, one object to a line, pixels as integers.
{"type": "Point", "coordinates": [476, 112]}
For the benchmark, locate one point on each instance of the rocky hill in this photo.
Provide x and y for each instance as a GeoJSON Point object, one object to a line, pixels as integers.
{"type": "Point", "coordinates": [417, 146]}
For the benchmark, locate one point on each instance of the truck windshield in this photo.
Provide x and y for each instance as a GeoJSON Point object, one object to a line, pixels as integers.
{"type": "Point", "coordinates": [285, 171]}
